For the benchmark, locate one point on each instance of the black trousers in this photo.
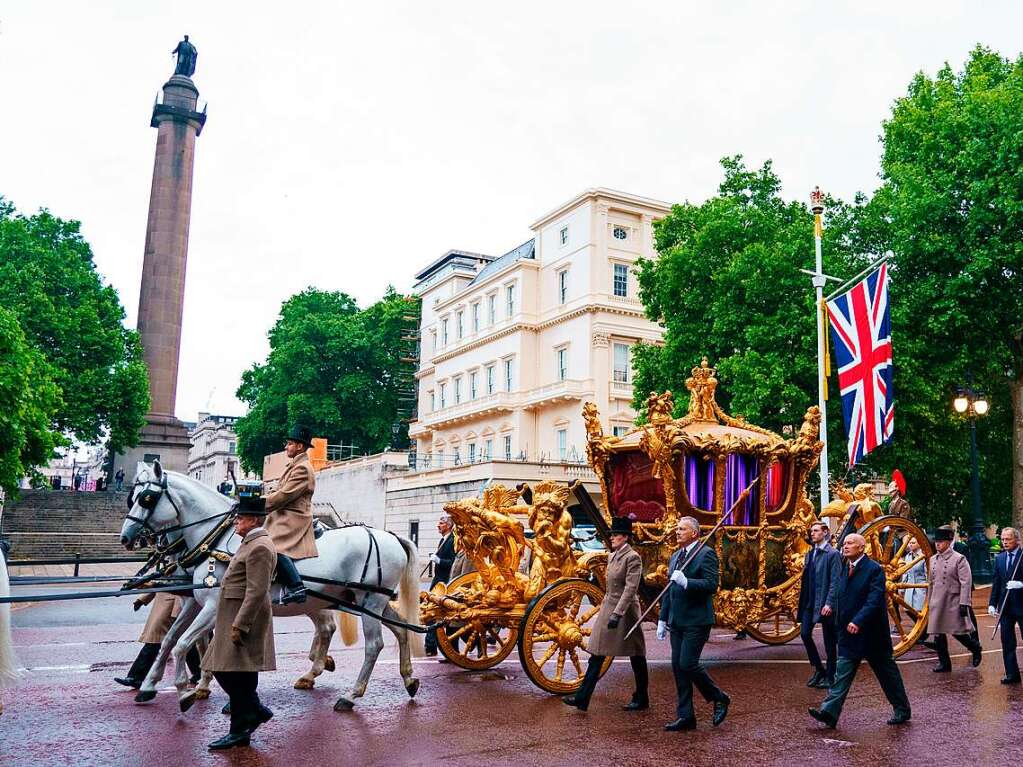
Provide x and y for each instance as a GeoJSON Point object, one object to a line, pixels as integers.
{"type": "Point", "coordinates": [686, 647]}
{"type": "Point", "coordinates": [147, 657]}
{"type": "Point", "coordinates": [941, 646]}
{"type": "Point", "coordinates": [1007, 629]}
{"type": "Point", "coordinates": [888, 677]}
{"type": "Point", "coordinates": [592, 676]}
{"type": "Point", "coordinates": [240, 687]}
{"type": "Point", "coordinates": [830, 643]}
{"type": "Point", "coordinates": [287, 573]}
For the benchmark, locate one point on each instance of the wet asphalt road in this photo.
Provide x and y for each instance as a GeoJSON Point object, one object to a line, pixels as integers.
{"type": "Point", "coordinates": [67, 711]}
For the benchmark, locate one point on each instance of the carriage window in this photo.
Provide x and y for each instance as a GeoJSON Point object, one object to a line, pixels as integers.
{"type": "Point", "coordinates": [700, 481]}
{"type": "Point", "coordinates": [740, 470]}
{"type": "Point", "coordinates": [635, 492]}
{"type": "Point", "coordinates": [775, 486]}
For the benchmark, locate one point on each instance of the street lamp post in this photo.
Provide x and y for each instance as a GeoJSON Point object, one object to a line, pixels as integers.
{"type": "Point", "coordinates": [972, 404]}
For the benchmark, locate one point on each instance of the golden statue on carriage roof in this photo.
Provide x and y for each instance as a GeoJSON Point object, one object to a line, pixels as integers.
{"type": "Point", "coordinates": [698, 465]}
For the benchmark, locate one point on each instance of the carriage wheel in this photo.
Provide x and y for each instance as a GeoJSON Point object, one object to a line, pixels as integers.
{"type": "Point", "coordinates": [554, 633]}
{"type": "Point", "coordinates": [475, 645]}
{"type": "Point", "coordinates": [777, 626]}
{"type": "Point", "coordinates": [887, 539]}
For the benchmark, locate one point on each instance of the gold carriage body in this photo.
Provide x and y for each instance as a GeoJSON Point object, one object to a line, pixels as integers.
{"type": "Point", "coordinates": [697, 466]}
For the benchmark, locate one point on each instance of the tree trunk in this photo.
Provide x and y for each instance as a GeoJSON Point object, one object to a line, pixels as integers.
{"type": "Point", "coordinates": [1016, 389]}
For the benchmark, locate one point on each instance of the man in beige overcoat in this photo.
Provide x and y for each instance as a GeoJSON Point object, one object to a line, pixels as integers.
{"type": "Point", "coordinates": [619, 612]}
{"type": "Point", "coordinates": [950, 600]}
{"type": "Point", "coordinates": [243, 638]}
{"type": "Point", "coordinates": [290, 508]}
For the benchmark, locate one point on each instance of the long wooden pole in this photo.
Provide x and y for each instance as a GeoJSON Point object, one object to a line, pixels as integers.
{"type": "Point", "coordinates": [696, 550]}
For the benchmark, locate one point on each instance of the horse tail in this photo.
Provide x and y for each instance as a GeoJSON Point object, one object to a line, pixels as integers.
{"type": "Point", "coordinates": [8, 663]}
{"type": "Point", "coordinates": [349, 627]}
{"type": "Point", "coordinates": [408, 595]}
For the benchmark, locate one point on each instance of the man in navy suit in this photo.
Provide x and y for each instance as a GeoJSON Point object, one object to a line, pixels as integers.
{"type": "Point", "coordinates": [1007, 585]}
{"type": "Point", "coordinates": [863, 634]}
{"type": "Point", "coordinates": [687, 612]}
{"type": "Point", "coordinates": [442, 560]}
{"type": "Point", "coordinates": [822, 568]}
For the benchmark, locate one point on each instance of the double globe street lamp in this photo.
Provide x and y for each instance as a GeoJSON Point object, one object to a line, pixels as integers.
{"type": "Point", "coordinates": [971, 405]}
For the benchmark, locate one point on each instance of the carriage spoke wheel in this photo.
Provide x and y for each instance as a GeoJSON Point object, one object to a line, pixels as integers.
{"type": "Point", "coordinates": [554, 633]}
{"type": "Point", "coordinates": [475, 645]}
{"type": "Point", "coordinates": [777, 626]}
{"type": "Point", "coordinates": [905, 598]}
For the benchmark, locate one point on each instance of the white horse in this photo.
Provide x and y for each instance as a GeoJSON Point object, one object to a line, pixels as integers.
{"type": "Point", "coordinates": [8, 663]}
{"type": "Point", "coordinates": [167, 502]}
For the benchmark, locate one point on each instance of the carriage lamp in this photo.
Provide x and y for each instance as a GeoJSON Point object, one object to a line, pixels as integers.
{"type": "Point", "coordinates": [972, 404]}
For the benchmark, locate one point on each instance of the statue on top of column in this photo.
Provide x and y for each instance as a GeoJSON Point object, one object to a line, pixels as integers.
{"type": "Point", "coordinates": [187, 54]}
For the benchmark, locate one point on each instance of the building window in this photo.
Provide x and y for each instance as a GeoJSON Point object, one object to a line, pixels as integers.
{"type": "Point", "coordinates": [232, 448]}
{"type": "Point", "coordinates": [509, 300]}
{"type": "Point", "coordinates": [457, 453]}
{"type": "Point", "coordinates": [472, 452]}
{"type": "Point", "coordinates": [507, 448]}
{"type": "Point", "coordinates": [444, 332]}
{"type": "Point", "coordinates": [562, 444]}
{"type": "Point", "coordinates": [443, 395]}
{"type": "Point", "coordinates": [488, 450]}
{"type": "Point", "coordinates": [563, 235]}
{"type": "Point", "coordinates": [490, 379]}
{"type": "Point", "coordinates": [621, 363]}
{"type": "Point", "coordinates": [620, 233]}
{"type": "Point", "coordinates": [433, 337]}
{"type": "Point", "coordinates": [621, 281]}
{"type": "Point", "coordinates": [491, 309]}
{"type": "Point", "coordinates": [472, 384]}
{"type": "Point", "coordinates": [413, 531]}
{"type": "Point", "coordinates": [507, 375]}
{"type": "Point", "coordinates": [562, 286]}
{"type": "Point", "coordinates": [458, 324]}
{"type": "Point", "coordinates": [561, 363]}
{"type": "Point", "coordinates": [433, 400]}
{"type": "Point", "coordinates": [458, 390]}
{"type": "Point", "coordinates": [619, 431]}
{"type": "Point", "coordinates": [476, 317]}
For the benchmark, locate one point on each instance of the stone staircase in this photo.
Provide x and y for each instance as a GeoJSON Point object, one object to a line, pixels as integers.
{"type": "Point", "coordinates": [48, 524]}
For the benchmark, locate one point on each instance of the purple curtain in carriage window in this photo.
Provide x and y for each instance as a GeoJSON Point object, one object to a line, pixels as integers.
{"type": "Point", "coordinates": [700, 482]}
{"type": "Point", "coordinates": [740, 470]}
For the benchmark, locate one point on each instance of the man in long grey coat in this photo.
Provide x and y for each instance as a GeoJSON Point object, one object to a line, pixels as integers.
{"type": "Point", "coordinates": [950, 600]}
{"type": "Point", "coordinates": [243, 639]}
{"type": "Point", "coordinates": [822, 568]}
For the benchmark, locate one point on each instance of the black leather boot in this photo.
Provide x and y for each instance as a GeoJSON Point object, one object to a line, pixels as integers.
{"type": "Point", "coordinates": [292, 588]}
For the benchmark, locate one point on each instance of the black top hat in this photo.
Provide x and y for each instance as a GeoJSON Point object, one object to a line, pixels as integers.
{"type": "Point", "coordinates": [252, 505]}
{"type": "Point", "coordinates": [301, 434]}
{"type": "Point", "coordinates": [621, 526]}
{"type": "Point", "coordinates": [944, 533]}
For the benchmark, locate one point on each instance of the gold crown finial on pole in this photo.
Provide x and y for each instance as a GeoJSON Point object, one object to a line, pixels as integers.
{"type": "Point", "coordinates": [817, 201]}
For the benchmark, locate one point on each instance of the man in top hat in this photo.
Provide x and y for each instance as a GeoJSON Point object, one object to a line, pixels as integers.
{"type": "Point", "coordinates": [243, 638]}
{"type": "Point", "coordinates": [1007, 596]}
{"type": "Point", "coordinates": [290, 508]}
{"type": "Point", "coordinates": [950, 600]}
{"type": "Point", "coordinates": [898, 505]}
{"type": "Point", "coordinates": [619, 612]}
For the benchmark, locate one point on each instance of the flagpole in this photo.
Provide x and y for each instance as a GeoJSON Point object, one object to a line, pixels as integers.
{"type": "Point", "coordinates": [817, 206]}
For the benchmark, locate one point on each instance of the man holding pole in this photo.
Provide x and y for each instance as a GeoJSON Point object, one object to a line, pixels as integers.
{"type": "Point", "coordinates": [1007, 600]}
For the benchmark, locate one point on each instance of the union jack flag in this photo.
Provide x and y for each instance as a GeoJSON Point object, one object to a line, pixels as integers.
{"type": "Point", "coordinates": [861, 329]}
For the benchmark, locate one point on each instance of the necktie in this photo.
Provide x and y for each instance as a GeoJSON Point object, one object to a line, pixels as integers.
{"type": "Point", "coordinates": [1011, 563]}
{"type": "Point", "coordinates": [851, 568]}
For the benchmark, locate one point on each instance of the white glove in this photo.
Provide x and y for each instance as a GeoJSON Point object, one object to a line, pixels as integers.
{"type": "Point", "coordinates": [1013, 585]}
{"type": "Point", "coordinates": [662, 630]}
{"type": "Point", "coordinates": [992, 611]}
{"type": "Point", "coordinates": [435, 559]}
{"type": "Point", "coordinates": [679, 578]}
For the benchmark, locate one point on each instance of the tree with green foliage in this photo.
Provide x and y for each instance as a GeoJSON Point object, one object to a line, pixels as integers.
{"type": "Point", "coordinates": [951, 209]}
{"type": "Point", "coordinates": [49, 281]}
{"type": "Point", "coordinates": [332, 367]}
{"type": "Point", "coordinates": [28, 401]}
{"type": "Point", "coordinates": [727, 286]}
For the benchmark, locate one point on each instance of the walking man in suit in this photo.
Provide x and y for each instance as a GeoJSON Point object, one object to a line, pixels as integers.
{"type": "Point", "coordinates": [687, 613]}
{"type": "Point", "coordinates": [863, 634]}
{"type": "Point", "coordinates": [822, 568]}
{"type": "Point", "coordinates": [243, 638]}
{"type": "Point", "coordinates": [1007, 585]}
{"type": "Point", "coordinates": [442, 560]}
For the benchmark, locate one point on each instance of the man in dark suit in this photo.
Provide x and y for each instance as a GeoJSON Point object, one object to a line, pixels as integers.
{"type": "Point", "coordinates": [822, 568]}
{"type": "Point", "coordinates": [687, 612]}
{"type": "Point", "coordinates": [863, 634]}
{"type": "Point", "coordinates": [442, 560]}
{"type": "Point", "coordinates": [1007, 585]}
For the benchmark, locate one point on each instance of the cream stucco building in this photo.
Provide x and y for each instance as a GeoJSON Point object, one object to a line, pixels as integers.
{"type": "Point", "coordinates": [512, 345]}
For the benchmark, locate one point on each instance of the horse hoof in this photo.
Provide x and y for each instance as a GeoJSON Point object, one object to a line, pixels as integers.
{"type": "Point", "coordinates": [304, 684]}
{"type": "Point", "coordinates": [328, 664]}
{"type": "Point", "coordinates": [412, 688]}
{"type": "Point", "coordinates": [187, 701]}
{"type": "Point", "coordinates": [144, 696]}
{"type": "Point", "coordinates": [343, 704]}
{"type": "Point", "coordinates": [201, 693]}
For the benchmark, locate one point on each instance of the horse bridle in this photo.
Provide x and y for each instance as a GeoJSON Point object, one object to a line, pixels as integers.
{"type": "Point", "coordinates": [148, 499]}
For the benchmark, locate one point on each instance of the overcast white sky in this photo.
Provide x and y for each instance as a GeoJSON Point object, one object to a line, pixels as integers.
{"type": "Point", "coordinates": [351, 143]}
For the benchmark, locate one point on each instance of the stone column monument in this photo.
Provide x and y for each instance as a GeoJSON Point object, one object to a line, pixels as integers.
{"type": "Point", "coordinates": [163, 271]}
